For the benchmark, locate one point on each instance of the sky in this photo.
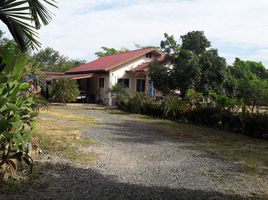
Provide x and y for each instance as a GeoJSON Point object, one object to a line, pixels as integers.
{"type": "Point", "coordinates": [237, 28]}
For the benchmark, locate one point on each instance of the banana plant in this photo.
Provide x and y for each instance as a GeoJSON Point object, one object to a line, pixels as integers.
{"type": "Point", "coordinates": [16, 114]}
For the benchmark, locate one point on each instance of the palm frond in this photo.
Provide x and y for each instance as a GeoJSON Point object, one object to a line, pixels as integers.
{"type": "Point", "coordinates": [18, 15]}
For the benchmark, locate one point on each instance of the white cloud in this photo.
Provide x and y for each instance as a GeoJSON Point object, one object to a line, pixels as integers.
{"type": "Point", "coordinates": [81, 27]}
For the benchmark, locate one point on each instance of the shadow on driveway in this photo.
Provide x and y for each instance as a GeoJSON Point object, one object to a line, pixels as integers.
{"type": "Point", "coordinates": [62, 181]}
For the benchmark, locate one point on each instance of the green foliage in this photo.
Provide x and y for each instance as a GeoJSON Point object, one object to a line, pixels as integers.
{"type": "Point", "coordinates": [224, 102]}
{"type": "Point", "coordinates": [213, 72]}
{"type": "Point", "coordinates": [220, 114]}
{"type": "Point", "coordinates": [49, 59]}
{"type": "Point", "coordinates": [106, 51]}
{"type": "Point", "coordinates": [121, 93]}
{"type": "Point", "coordinates": [138, 102]}
{"type": "Point", "coordinates": [65, 90]}
{"type": "Point", "coordinates": [170, 46]}
{"type": "Point", "coordinates": [194, 97]}
{"type": "Point", "coordinates": [172, 105]}
{"type": "Point", "coordinates": [194, 64]}
{"type": "Point", "coordinates": [247, 80]}
{"type": "Point", "coordinates": [23, 17]}
{"type": "Point", "coordinates": [196, 42]}
{"type": "Point", "coordinates": [186, 71]}
{"type": "Point", "coordinates": [161, 77]}
{"type": "Point", "coordinates": [16, 113]}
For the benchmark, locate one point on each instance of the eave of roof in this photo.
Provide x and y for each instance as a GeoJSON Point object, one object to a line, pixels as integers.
{"type": "Point", "coordinates": [144, 66]}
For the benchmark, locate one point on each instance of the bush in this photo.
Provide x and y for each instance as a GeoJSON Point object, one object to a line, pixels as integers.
{"type": "Point", "coordinates": [138, 103]}
{"type": "Point", "coordinates": [122, 96]}
{"type": "Point", "coordinates": [65, 90]}
{"type": "Point", "coordinates": [16, 113]}
{"type": "Point", "coordinates": [172, 107]}
{"type": "Point", "coordinates": [153, 108]}
{"type": "Point", "coordinates": [256, 125]}
{"type": "Point", "coordinates": [203, 116]}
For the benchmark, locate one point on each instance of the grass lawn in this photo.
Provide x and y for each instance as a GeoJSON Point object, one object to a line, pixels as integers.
{"type": "Point", "coordinates": [59, 133]}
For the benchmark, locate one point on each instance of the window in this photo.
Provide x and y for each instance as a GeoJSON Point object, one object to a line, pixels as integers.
{"type": "Point", "coordinates": [148, 55]}
{"type": "Point", "coordinates": [101, 82]}
{"type": "Point", "coordinates": [140, 85]}
{"type": "Point", "coordinates": [123, 81]}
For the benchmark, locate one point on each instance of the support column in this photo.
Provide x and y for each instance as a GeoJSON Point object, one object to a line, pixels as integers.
{"type": "Point", "coordinates": [109, 90]}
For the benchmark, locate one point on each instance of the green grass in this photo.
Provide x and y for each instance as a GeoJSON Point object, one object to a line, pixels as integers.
{"type": "Point", "coordinates": [59, 133]}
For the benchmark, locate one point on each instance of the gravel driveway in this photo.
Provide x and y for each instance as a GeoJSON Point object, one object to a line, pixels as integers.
{"type": "Point", "coordinates": [138, 161]}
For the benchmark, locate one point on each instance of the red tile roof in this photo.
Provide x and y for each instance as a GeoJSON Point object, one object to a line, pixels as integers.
{"type": "Point", "coordinates": [110, 62]}
{"type": "Point", "coordinates": [54, 75]}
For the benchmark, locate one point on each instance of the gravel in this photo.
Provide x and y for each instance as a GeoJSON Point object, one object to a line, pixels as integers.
{"type": "Point", "coordinates": [137, 161]}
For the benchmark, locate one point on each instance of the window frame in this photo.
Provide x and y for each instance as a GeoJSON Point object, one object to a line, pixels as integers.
{"type": "Point", "coordinates": [124, 82]}
{"type": "Point", "coordinates": [139, 83]}
{"type": "Point", "coordinates": [101, 82]}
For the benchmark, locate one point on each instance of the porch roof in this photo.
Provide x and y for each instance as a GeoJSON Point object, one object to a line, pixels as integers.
{"type": "Point", "coordinates": [144, 67]}
{"type": "Point", "coordinates": [79, 76]}
{"type": "Point", "coordinates": [57, 75]}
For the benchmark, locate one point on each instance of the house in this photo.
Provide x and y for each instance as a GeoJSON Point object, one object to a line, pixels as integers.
{"type": "Point", "coordinates": [129, 68]}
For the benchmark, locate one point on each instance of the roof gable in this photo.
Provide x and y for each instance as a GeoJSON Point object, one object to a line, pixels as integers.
{"type": "Point", "coordinates": [110, 62]}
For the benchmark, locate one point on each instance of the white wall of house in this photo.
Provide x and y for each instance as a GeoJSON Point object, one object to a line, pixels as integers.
{"type": "Point", "coordinates": [123, 72]}
{"type": "Point", "coordinates": [111, 78]}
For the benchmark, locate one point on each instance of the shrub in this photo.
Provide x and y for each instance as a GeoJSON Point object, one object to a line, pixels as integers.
{"type": "Point", "coordinates": [65, 90]}
{"type": "Point", "coordinates": [16, 113]}
{"type": "Point", "coordinates": [153, 108]}
{"type": "Point", "coordinates": [256, 125]}
{"type": "Point", "coordinates": [203, 116]}
{"type": "Point", "coordinates": [138, 102]}
{"type": "Point", "coordinates": [172, 106]}
{"type": "Point", "coordinates": [194, 97]}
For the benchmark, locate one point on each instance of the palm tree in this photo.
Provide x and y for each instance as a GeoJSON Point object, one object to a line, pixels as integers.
{"type": "Point", "coordinates": [23, 18]}
{"type": "Point", "coordinates": [65, 90]}
{"type": "Point", "coordinates": [120, 91]}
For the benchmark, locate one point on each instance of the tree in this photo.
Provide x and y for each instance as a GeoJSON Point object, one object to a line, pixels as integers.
{"type": "Point", "coordinates": [120, 91]}
{"type": "Point", "coordinates": [106, 51]}
{"type": "Point", "coordinates": [50, 59]}
{"type": "Point", "coordinates": [23, 18]}
{"type": "Point", "coordinates": [161, 77]}
{"type": "Point", "coordinates": [65, 90]}
{"type": "Point", "coordinates": [248, 82]}
{"type": "Point", "coordinates": [194, 64]}
{"type": "Point", "coordinates": [195, 41]}
{"type": "Point", "coordinates": [170, 46]}
{"type": "Point", "coordinates": [186, 71]}
{"type": "Point", "coordinates": [213, 72]}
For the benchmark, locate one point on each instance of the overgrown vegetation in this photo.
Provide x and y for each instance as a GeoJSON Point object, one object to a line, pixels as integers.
{"type": "Point", "coordinates": [196, 65]}
{"type": "Point", "coordinates": [64, 90]}
{"type": "Point", "coordinates": [219, 113]}
{"type": "Point", "coordinates": [16, 113]}
{"type": "Point", "coordinates": [59, 133]}
{"type": "Point", "coordinates": [18, 101]}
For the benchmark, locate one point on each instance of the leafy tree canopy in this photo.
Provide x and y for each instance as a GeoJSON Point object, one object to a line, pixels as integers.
{"type": "Point", "coordinates": [194, 63]}
{"type": "Point", "coordinates": [196, 42]}
{"type": "Point", "coordinates": [106, 51]}
{"type": "Point", "coordinates": [51, 60]}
